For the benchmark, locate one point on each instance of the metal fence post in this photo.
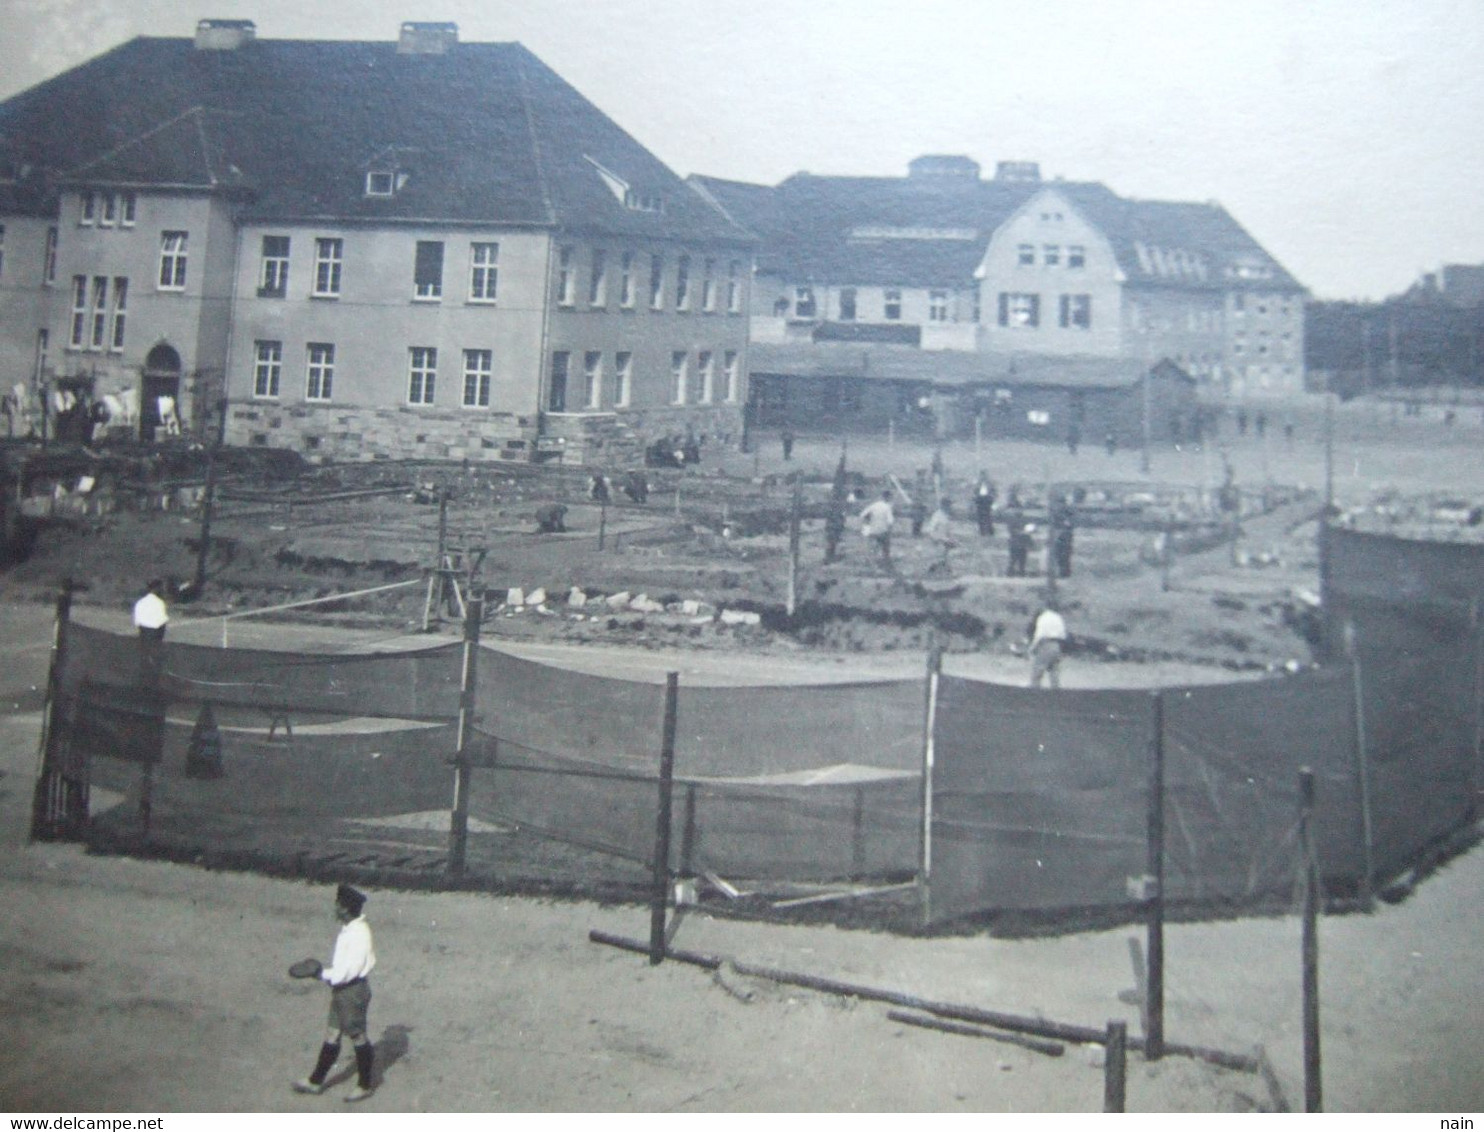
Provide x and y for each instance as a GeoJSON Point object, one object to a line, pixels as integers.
{"type": "Point", "coordinates": [1313, 1092]}
{"type": "Point", "coordinates": [1115, 1067]}
{"type": "Point", "coordinates": [929, 734]}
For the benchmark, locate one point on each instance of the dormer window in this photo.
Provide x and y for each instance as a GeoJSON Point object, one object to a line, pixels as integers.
{"type": "Point", "coordinates": [381, 183]}
{"type": "Point", "coordinates": [643, 202]}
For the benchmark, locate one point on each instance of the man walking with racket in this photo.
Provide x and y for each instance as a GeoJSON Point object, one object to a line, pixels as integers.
{"type": "Point", "coordinates": [350, 995]}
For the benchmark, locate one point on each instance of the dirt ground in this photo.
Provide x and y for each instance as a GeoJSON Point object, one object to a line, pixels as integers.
{"type": "Point", "coordinates": [501, 1004]}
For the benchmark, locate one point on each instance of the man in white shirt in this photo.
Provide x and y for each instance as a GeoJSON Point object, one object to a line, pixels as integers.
{"type": "Point", "coordinates": [150, 614]}
{"type": "Point", "coordinates": [876, 524]}
{"type": "Point", "coordinates": [350, 997]}
{"type": "Point", "coordinates": [1048, 633]}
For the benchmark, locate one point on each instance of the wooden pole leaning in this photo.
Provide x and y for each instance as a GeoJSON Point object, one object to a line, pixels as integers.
{"type": "Point", "coordinates": [458, 825]}
{"type": "Point", "coordinates": [660, 892]}
{"type": "Point", "coordinates": [1154, 1014]}
{"type": "Point", "coordinates": [1313, 1090]}
{"type": "Point", "coordinates": [929, 734]}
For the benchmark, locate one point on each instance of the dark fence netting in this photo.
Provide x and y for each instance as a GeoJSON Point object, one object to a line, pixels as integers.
{"type": "Point", "coordinates": [728, 732]}
{"type": "Point", "coordinates": [543, 708]}
{"type": "Point", "coordinates": [770, 782]}
{"type": "Point", "coordinates": [1232, 756]}
{"type": "Point", "coordinates": [1040, 799]}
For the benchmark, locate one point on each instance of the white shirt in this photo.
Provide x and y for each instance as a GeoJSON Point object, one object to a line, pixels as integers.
{"type": "Point", "coordinates": [354, 956]}
{"type": "Point", "coordinates": [1049, 627]}
{"type": "Point", "coordinates": [149, 612]}
{"type": "Point", "coordinates": [877, 518]}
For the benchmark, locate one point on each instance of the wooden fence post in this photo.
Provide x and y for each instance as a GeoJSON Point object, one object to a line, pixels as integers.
{"type": "Point", "coordinates": [1313, 1091]}
{"type": "Point", "coordinates": [929, 730]}
{"type": "Point", "coordinates": [458, 826]}
{"type": "Point", "coordinates": [1115, 1067]}
{"type": "Point", "coordinates": [49, 808]}
{"type": "Point", "coordinates": [1154, 1037]}
{"type": "Point", "coordinates": [660, 892]}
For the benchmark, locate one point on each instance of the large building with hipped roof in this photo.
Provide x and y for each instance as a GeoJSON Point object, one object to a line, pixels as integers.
{"type": "Point", "coordinates": [946, 295]}
{"type": "Point", "coordinates": [416, 248]}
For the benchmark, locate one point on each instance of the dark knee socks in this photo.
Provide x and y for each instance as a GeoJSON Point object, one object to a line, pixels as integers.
{"type": "Point", "coordinates": [327, 1055]}
{"type": "Point", "coordinates": [365, 1059]}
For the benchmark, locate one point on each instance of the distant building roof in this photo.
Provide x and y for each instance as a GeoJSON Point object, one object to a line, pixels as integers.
{"type": "Point", "coordinates": [949, 368]}
{"type": "Point", "coordinates": [932, 228]}
{"type": "Point", "coordinates": [476, 132]}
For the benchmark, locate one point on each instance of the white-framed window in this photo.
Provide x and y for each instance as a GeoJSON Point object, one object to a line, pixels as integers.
{"type": "Point", "coordinates": [422, 374]}
{"type": "Point", "coordinates": [937, 306]}
{"type": "Point", "coordinates": [1051, 255]}
{"type": "Point", "coordinates": [682, 284]}
{"type": "Point", "coordinates": [734, 286]}
{"type": "Point", "coordinates": [847, 304]}
{"type": "Point", "coordinates": [730, 372]}
{"type": "Point", "coordinates": [108, 212]}
{"type": "Point", "coordinates": [556, 392]}
{"type": "Point", "coordinates": [1076, 255]}
{"type": "Point", "coordinates": [484, 272]}
{"type": "Point", "coordinates": [566, 279]}
{"type": "Point", "coordinates": [592, 379]}
{"type": "Point", "coordinates": [329, 259]}
{"type": "Point", "coordinates": [708, 285]}
{"type": "Point", "coordinates": [78, 336]}
{"type": "Point", "coordinates": [1020, 310]}
{"type": "Point", "coordinates": [100, 313]}
{"type": "Point", "coordinates": [427, 270]}
{"type": "Point", "coordinates": [891, 307]}
{"type": "Point", "coordinates": [679, 376]}
{"type": "Point", "coordinates": [267, 370]}
{"type": "Point", "coordinates": [623, 377]}
{"type": "Point", "coordinates": [89, 212]}
{"type": "Point", "coordinates": [128, 209]}
{"type": "Point", "coordinates": [597, 281]}
{"type": "Point", "coordinates": [1025, 255]}
{"type": "Point", "coordinates": [656, 282]}
{"type": "Point", "coordinates": [479, 368]}
{"type": "Point", "coordinates": [626, 281]}
{"type": "Point", "coordinates": [49, 257]}
{"type": "Point", "coordinates": [1076, 312]}
{"type": "Point", "coordinates": [319, 371]}
{"type": "Point", "coordinates": [173, 260]}
{"type": "Point", "coordinates": [120, 314]}
{"type": "Point", "coordinates": [380, 183]}
{"type": "Point", "coordinates": [804, 302]}
{"type": "Point", "coordinates": [706, 370]}
{"type": "Point", "coordinates": [273, 281]}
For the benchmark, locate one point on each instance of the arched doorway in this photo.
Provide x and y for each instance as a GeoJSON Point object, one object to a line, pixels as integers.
{"type": "Point", "coordinates": [161, 379]}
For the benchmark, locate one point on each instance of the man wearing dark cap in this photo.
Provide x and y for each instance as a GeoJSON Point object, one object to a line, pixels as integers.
{"type": "Point", "coordinates": [350, 996]}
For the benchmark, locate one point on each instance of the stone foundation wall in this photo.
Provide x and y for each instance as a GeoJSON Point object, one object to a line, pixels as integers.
{"type": "Point", "coordinates": [333, 432]}
{"type": "Point", "coordinates": [350, 433]}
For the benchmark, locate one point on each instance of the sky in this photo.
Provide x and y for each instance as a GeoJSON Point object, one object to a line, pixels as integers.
{"type": "Point", "coordinates": [1347, 136]}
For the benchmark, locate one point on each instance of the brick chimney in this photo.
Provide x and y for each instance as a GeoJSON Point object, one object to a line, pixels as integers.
{"type": "Point", "coordinates": [426, 38]}
{"type": "Point", "coordinates": [224, 35]}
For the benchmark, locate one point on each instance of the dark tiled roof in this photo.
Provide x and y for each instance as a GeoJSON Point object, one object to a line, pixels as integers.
{"type": "Point", "coordinates": [485, 133]}
{"type": "Point", "coordinates": [950, 367]}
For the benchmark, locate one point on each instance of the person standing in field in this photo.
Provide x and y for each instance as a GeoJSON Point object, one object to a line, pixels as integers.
{"type": "Point", "coordinates": [984, 501]}
{"type": "Point", "coordinates": [876, 524]}
{"type": "Point", "coordinates": [348, 977]}
{"type": "Point", "coordinates": [940, 533]}
{"type": "Point", "coordinates": [1048, 634]}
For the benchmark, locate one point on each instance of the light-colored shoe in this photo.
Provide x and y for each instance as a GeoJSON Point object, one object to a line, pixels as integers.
{"type": "Point", "coordinates": [305, 1085]}
{"type": "Point", "coordinates": [357, 1094]}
